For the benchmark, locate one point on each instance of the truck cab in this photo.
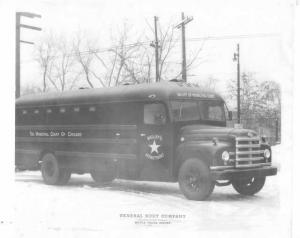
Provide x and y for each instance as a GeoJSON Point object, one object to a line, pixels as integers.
{"type": "Point", "coordinates": [201, 150]}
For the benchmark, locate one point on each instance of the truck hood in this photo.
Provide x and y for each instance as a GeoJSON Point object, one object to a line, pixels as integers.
{"type": "Point", "coordinates": [205, 131]}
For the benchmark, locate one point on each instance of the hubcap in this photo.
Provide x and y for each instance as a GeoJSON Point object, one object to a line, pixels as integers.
{"type": "Point", "coordinates": [193, 180]}
{"type": "Point", "coordinates": [247, 182]}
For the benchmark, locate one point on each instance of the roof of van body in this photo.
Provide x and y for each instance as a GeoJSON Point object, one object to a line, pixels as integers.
{"type": "Point", "coordinates": [152, 92]}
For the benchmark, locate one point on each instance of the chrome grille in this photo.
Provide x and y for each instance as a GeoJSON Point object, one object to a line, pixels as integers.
{"type": "Point", "coordinates": [248, 152]}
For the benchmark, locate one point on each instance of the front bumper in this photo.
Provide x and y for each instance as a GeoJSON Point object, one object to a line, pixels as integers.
{"type": "Point", "coordinates": [230, 174]}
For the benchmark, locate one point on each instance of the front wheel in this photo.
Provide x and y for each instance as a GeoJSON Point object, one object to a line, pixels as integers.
{"type": "Point", "coordinates": [248, 186]}
{"type": "Point", "coordinates": [52, 173]}
{"type": "Point", "coordinates": [195, 180]}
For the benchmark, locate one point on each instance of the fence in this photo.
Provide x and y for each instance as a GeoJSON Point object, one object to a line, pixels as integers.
{"type": "Point", "coordinates": [270, 127]}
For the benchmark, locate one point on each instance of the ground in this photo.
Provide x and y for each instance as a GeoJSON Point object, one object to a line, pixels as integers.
{"type": "Point", "coordinates": [82, 209]}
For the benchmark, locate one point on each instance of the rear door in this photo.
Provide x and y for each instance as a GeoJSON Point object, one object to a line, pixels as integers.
{"type": "Point", "coordinates": [155, 143]}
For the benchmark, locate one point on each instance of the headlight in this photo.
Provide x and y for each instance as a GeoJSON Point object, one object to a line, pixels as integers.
{"type": "Point", "coordinates": [267, 153]}
{"type": "Point", "coordinates": [225, 156]}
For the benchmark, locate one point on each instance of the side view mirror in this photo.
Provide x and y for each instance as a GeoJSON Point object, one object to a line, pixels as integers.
{"type": "Point", "coordinates": [229, 115]}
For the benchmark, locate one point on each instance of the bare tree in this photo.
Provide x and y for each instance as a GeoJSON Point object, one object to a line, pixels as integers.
{"type": "Point", "coordinates": [84, 56]}
{"type": "Point", "coordinates": [271, 94]}
{"type": "Point", "coordinates": [193, 61]}
{"type": "Point", "coordinates": [249, 94]}
{"type": "Point", "coordinates": [167, 41]}
{"type": "Point", "coordinates": [257, 99]}
{"type": "Point", "coordinates": [45, 55]}
{"type": "Point", "coordinates": [129, 59]}
{"type": "Point", "coordinates": [31, 89]}
{"type": "Point", "coordinates": [112, 62]}
{"type": "Point", "coordinates": [56, 61]}
{"type": "Point", "coordinates": [144, 64]}
{"type": "Point", "coordinates": [119, 63]}
{"type": "Point", "coordinates": [127, 55]}
{"type": "Point", "coordinates": [137, 66]}
{"type": "Point", "coordinates": [64, 75]}
{"type": "Point", "coordinates": [260, 105]}
{"type": "Point", "coordinates": [210, 83]}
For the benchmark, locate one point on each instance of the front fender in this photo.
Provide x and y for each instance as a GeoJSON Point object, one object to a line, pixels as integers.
{"type": "Point", "coordinates": [203, 150]}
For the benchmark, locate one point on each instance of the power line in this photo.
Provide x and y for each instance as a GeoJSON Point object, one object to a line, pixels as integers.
{"type": "Point", "coordinates": [232, 37]}
{"type": "Point", "coordinates": [146, 43]}
{"type": "Point", "coordinates": [224, 37]}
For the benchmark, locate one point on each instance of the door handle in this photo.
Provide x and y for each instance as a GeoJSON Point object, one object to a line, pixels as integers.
{"type": "Point", "coordinates": [142, 134]}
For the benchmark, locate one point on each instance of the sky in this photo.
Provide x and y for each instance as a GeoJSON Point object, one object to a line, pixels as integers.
{"type": "Point", "coordinates": [268, 57]}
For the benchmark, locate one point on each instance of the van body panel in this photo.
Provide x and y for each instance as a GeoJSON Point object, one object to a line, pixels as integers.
{"type": "Point", "coordinates": [145, 131]}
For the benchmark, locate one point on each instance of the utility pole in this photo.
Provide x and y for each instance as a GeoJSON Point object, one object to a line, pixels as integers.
{"type": "Point", "coordinates": [181, 25]}
{"type": "Point", "coordinates": [18, 44]}
{"type": "Point", "coordinates": [183, 49]}
{"type": "Point", "coordinates": [18, 56]}
{"type": "Point", "coordinates": [277, 129]}
{"type": "Point", "coordinates": [236, 57]}
{"type": "Point", "coordinates": [156, 46]}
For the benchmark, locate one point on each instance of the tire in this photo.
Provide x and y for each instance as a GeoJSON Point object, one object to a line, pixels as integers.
{"type": "Point", "coordinates": [101, 177]}
{"type": "Point", "coordinates": [249, 186]}
{"type": "Point", "coordinates": [195, 180]}
{"type": "Point", "coordinates": [64, 176]}
{"type": "Point", "coordinates": [106, 175]}
{"type": "Point", "coordinates": [51, 173]}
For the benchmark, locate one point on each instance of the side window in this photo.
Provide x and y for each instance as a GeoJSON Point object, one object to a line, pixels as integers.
{"type": "Point", "coordinates": [212, 110]}
{"type": "Point", "coordinates": [215, 113]}
{"type": "Point", "coordinates": [20, 116]}
{"type": "Point", "coordinates": [154, 114]}
{"type": "Point", "coordinates": [185, 111]}
{"type": "Point", "coordinates": [75, 112]}
{"type": "Point", "coordinates": [84, 114]}
{"type": "Point", "coordinates": [38, 116]}
{"type": "Point", "coordinates": [57, 115]}
{"type": "Point", "coordinates": [119, 113]}
{"type": "Point", "coordinates": [62, 116]}
{"type": "Point", "coordinates": [28, 116]}
{"type": "Point", "coordinates": [50, 115]}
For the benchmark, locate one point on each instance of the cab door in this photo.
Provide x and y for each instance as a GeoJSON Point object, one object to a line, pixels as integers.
{"type": "Point", "coordinates": [155, 143]}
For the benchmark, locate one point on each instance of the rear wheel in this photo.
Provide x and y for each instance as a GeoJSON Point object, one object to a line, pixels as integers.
{"type": "Point", "coordinates": [64, 176]}
{"type": "Point", "coordinates": [249, 186]}
{"type": "Point", "coordinates": [106, 174]}
{"type": "Point", "coordinates": [195, 180]}
{"type": "Point", "coordinates": [52, 173]}
{"type": "Point", "coordinates": [101, 177]}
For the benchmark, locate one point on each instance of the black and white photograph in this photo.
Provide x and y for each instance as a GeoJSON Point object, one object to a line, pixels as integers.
{"type": "Point", "coordinates": [153, 118]}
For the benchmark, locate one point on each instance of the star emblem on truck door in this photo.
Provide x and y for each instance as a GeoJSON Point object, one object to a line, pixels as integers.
{"type": "Point", "coordinates": [153, 153]}
{"type": "Point", "coordinates": [154, 147]}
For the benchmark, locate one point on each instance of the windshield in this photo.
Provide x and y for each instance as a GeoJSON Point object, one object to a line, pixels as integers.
{"type": "Point", "coordinates": [205, 110]}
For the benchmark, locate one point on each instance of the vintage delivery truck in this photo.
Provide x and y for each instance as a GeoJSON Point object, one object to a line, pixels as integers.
{"type": "Point", "coordinates": [167, 131]}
